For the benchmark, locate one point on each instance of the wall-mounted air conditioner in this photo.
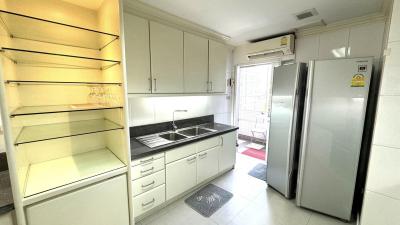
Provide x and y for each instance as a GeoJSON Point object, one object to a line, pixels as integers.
{"type": "Point", "coordinates": [275, 47]}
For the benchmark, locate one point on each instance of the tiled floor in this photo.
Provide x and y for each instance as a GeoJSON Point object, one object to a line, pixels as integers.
{"type": "Point", "coordinates": [253, 203]}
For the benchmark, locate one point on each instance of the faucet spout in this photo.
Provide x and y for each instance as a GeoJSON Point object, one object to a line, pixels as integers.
{"type": "Point", "coordinates": [174, 126]}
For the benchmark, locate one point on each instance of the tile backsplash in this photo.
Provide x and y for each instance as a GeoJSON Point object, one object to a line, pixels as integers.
{"type": "Point", "coordinates": [148, 110]}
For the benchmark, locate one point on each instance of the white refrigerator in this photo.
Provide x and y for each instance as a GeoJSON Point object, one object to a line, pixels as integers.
{"type": "Point", "coordinates": [332, 137]}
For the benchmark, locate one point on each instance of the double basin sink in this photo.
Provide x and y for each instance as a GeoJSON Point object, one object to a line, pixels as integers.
{"type": "Point", "coordinates": [160, 139]}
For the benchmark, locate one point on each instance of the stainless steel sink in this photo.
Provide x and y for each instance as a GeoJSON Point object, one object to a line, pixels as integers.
{"type": "Point", "coordinates": [195, 131]}
{"type": "Point", "coordinates": [155, 140]}
{"type": "Point", "coordinates": [172, 136]}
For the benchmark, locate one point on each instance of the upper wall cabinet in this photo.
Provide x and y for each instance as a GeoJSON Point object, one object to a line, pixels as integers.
{"type": "Point", "coordinates": [137, 48]}
{"type": "Point", "coordinates": [218, 58]}
{"type": "Point", "coordinates": [195, 64]}
{"type": "Point", "coordinates": [166, 47]}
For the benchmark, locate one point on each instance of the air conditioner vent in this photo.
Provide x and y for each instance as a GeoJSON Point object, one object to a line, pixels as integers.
{"type": "Point", "coordinates": [306, 14]}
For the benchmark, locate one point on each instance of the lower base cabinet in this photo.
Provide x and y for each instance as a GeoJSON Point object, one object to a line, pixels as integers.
{"type": "Point", "coordinates": [103, 203]}
{"type": "Point", "coordinates": [227, 155]}
{"type": "Point", "coordinates": [207, 164]}
{"type": "Point", "coordinates": [8, 218]}
{"type": "Point", "coordinates": [180, 176]}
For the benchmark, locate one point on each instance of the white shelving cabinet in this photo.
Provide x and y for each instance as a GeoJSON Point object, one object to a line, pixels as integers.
{"type": "Point", "coordinates": [63, 104]}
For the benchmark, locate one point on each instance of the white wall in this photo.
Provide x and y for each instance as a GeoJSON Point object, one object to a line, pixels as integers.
{"type": "Point", "coordinates": [148, 110]}
{"type": "Point", "coordinates": [382, 198]}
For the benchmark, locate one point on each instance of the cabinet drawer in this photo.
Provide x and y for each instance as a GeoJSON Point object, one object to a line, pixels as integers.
{"type": "Point", "coordinates": [147, 183]}
{"type": "Point", "coordinates": [180, 153]}
{"type": "Point", "coordinates": [148, 168]}
{"type": "Point", "coordinates": [209, 143]}
{"type": "Point", "coordinates": [148, 159]}
{"type": "Point", "coordinates": [148, 200]}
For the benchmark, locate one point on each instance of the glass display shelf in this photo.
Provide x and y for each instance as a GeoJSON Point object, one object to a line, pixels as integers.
{"type": "Point", "coordinates": [43, 30]}
{"type": "Point", "coordinates": [43, 132]}
{"type": "Point", "coordinates": [38, 82]}
{"type": "Point", "coordinates": [45, 109]}
{"type": "Point", "coordinates": [56, 60]}
{"type": "Point", "coordinates": [56, 173]}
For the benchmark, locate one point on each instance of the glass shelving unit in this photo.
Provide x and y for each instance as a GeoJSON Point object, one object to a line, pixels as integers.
{"type": "Point", "coordinates": [69, 131]}
{"type": "Point", "coordinates": [39, 82]}
{"type": "Point", "coordinates": [43, 30]}
{"type": "Point", "coordinates": [46, 109]}
{"type": "Point", "coordinates": [56, 60]}
{"type": "Point", "coordinates": [63, 171]}
{"type": "Point", "coordinates": [46, 132]}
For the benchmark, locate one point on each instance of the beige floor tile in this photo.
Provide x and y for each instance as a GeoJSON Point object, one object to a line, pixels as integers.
{"type": "Point", "coordinates": [319, 219]}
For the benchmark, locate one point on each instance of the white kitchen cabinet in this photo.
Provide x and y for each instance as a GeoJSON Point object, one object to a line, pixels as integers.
{"type": "Point", "coordinates": [166, 47]}
{"type": "Point", "coordinates": [227, 156]}
{"type": "Point", "coordinates": [180, 176]}
{"type": "Point", "coordinates": [137, 50]}
{"type": "Point", "coordinates": [146, 169]}
{"type": "Point", "coordinates": [147, 183]}
{"type": "Point", "coordinates": [207, 164]}
{"type": "Point", "coordinates": [149, 200]}
{"type": "Point", "coordinates": [180, 152]}
{"type": "Point", "coordinates": [218, 59]}
{"type": "Point", "coordinates": [104, 203]}
{"type": "Point", "coordinates": [195, 63]}
{"type": "Point", "coordinates": [8, 218]}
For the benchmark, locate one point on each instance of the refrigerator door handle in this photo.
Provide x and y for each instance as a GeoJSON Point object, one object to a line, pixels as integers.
{"type": "Point", "coordinates": [304, 133]}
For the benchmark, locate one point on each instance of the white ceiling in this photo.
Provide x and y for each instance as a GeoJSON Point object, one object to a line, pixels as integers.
{"type": "Point", "coordinates": [244, 20]}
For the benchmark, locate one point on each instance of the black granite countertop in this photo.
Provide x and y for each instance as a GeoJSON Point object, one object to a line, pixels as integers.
{"type": "Point", "coordinates": [139, 150]}
{"type": "Point", "coordinates": [6, 199]}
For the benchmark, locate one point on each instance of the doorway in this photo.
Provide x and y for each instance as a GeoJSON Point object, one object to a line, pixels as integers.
{"type": "Point", "coordinates": [252, 110]}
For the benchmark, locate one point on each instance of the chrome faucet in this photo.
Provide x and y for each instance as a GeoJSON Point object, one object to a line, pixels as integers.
{"type": "Point", "coordinates": [174, 127]}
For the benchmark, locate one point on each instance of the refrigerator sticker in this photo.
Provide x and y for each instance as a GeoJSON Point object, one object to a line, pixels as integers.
{"type": "Point", "coordinates": [358, 80]}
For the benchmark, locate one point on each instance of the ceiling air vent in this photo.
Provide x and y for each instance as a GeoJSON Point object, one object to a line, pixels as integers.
{"type": "Point", "coordinates": [306, 14]}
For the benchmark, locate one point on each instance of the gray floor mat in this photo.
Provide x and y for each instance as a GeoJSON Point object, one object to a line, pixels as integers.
{"type": "Point", "coordinates": [259, 172]}
{"type": "Point", "coordinates": [208, 200]}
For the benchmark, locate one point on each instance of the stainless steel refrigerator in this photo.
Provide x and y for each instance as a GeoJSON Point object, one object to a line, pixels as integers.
{"type": "Point", "coordinates": [332, 137]}
{"type": "Point", "coordinates": [288, 89]}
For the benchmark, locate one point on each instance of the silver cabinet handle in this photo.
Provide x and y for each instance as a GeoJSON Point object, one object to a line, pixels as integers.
{"type": "Point", "coordinates": [150, 84]}
{"type": "Point", "coordinates": [147, 160]}
{"type": "Point", "coordinates": [149, 184]}
{"type": "Point", "coordinates": [222, 141]}
{"type": "Point", "coordinates": [191, 159]}
{"type": "Point", "coordinates": [211, 85]}
{"type": "Point", "coordinates": [148, 203]}
{"type": "Point", "coordinates": [204, 154]}
{"type": "Point", "coordinates": [148, 170]}
{"type": "Point", "coordinates": [208, 86]}
{"type": "Point", "coordinates": [155, 84]}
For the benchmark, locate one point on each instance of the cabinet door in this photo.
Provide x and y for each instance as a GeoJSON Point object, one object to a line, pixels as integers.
{"type": "Point", "coordinates": [166, 47]}
{"type": "Point", "coordinates": [137, 50]}
{"type": "Point", "coordinates": [227, 157]}
{"type": "Point", "coordinates": [207, 164]}
{"type": "Point", "coordinates": [8, 218]}
{"type": "Point", "coordinates": [195, 64]}
{"type": "Point", "coordinates": [104, 203]}
{"type": "Point", "coordinates": [180, 176]}
{"type": "Point", "coordinates": [218, 58]}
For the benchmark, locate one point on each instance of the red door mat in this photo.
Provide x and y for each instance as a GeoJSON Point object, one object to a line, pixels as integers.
{"type": "Point", "coordinates": [258, 154]}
